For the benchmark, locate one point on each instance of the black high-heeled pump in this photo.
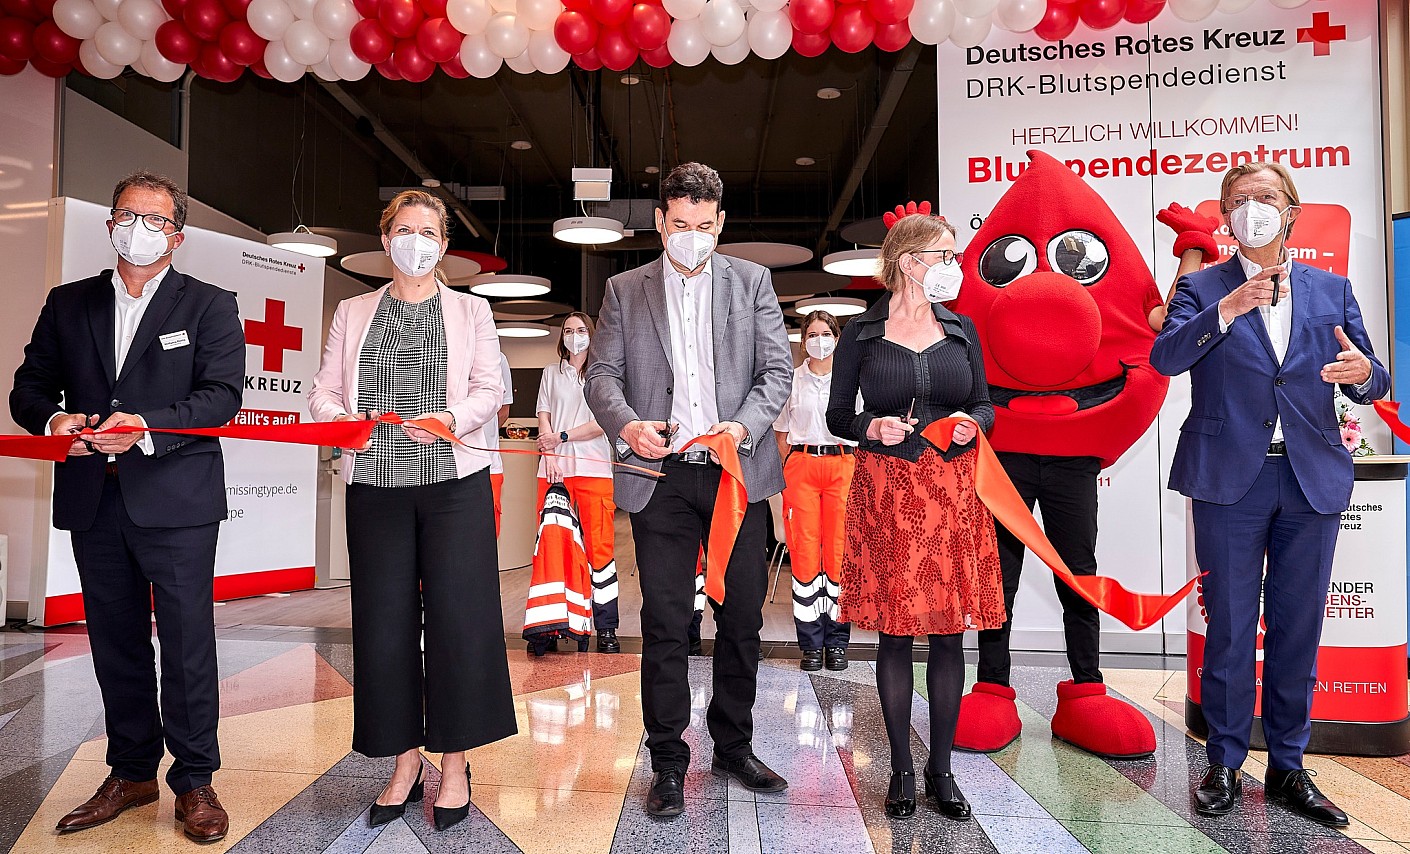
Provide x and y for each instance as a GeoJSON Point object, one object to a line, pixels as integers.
{"type": "Point", "coordinates": [383, 813]}
{"type": "Point", "coordinates": [954, 805]}
{"type": "Point", "coordinates": [447, 817]}
{"type": "Point", "coordinates": [898, 804]}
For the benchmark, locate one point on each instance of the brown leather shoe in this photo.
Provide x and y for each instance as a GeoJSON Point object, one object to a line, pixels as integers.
{"type": "Point", "coordinates": [201, 815]}
{"type": "Point", "coordinates": [114, 796]}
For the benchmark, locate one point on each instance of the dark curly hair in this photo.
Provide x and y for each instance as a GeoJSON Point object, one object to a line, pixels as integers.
{"type": "Point", "coordinates": [694, 181]}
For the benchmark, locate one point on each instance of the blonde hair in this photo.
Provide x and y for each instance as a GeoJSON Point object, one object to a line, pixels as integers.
{"type": "Point", "coordinates": [416, 199]}
{"type": "Point", "coordinates": [1243, 169]}
{"type": "Point", "coordinates": [909, 234]}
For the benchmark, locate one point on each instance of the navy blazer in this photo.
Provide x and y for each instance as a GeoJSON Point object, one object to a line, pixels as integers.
{"type": "Point", "coordinates": [1239, 389]}
{"type": "Point", "coordinates": [70, 365]}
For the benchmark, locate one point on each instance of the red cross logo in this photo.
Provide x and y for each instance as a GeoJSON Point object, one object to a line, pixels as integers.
{"type": "Point", "coordinates": [273, 335]}
{"type": "Point", "coordinates": [301, 268]}
{"type": "Point", "coordinates": [1321, 33]}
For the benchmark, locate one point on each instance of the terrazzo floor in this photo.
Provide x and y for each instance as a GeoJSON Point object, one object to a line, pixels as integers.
{"type": "Point", "coordinates": [574, 778]}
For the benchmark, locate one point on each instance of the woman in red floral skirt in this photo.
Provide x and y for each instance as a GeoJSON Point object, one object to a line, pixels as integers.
{"type": "Point", "coordinates": [921, 554]}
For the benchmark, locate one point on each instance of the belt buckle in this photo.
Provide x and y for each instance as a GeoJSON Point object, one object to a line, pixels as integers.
{"type": "Point", "coordinates": [696, 458]}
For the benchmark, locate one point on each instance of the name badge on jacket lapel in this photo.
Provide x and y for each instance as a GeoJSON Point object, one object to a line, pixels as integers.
{"type": "Point", "coordinates": [172, 340]}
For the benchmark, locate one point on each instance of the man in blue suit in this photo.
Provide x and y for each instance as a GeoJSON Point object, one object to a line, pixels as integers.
{"type": "Point", "coordinates": [1261, 456]}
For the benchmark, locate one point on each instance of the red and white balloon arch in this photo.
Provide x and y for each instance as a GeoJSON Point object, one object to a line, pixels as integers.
{"type": "Point", "coordinates": [410, 39]}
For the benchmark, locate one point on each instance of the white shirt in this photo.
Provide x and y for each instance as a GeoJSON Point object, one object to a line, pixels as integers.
{"type": "Point", "coordinates": [692, 329]}
{"type": "Point", "coordinates": [804, 416]}
{"type": "Point", "coordinates": [489, 434]}
{"type": "Point", "coordinates": [561, 396]}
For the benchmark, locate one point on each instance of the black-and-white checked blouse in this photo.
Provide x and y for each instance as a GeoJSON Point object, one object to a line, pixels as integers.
{"type": "Point", "coordinates": [402, 369]}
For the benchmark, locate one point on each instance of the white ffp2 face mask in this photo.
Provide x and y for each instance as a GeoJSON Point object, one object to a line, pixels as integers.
{"type": "Point", "coordinates": [415, 254]}
{"type": "Point", "coordinates": [1255, 224]}
{"type": "Point", "coordinates": [576, 342]}
{"type": "Point", "coordinates": [139, 245]}
{"type": "Point", "coordinates": [941, 282]}
{"type": "Point", "coordinates": [691, 248]}
{"type": "Point", "coordinates": [820, 346]}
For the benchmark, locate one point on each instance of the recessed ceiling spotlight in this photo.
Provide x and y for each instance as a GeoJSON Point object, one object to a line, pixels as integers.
{"type": "Point", "coordinates": [630, 79]}
{"type": "Point", "coordinates": [805, 161]}
{"type": "Point", "coordinates": [521, 145]}
{"type": "Point", "coordinates": [828, 93]}
{"type": "Point", "coordinates": [652, 170]}
{"type": "Point", "coordinates": [430, 183]}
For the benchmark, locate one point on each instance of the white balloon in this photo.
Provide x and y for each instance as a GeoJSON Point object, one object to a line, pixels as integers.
{"type": "Point", "coordinates": [523, 63]}
{"type": "Point", "coordinates": [1288, 4]}
{"type": "Point", "coordinates": [1020, 16]}
{"type": "Point", "coordinates": [478, 59]}
{"type": "Point", "coordinates": [302, 9]}
{"type": "Point", "coordinates": [280, 65]}
{"type": "Point", "coordinates": [687, 43]}
{"type": "Point", "coordinates": [116, 44]}
{"type": "Point", "coordinates": [732, 54]}
{"type": "Point", "coordinates": [932, 20]}
{"type": "Point", "coordinates": [269, 18]}
{"type": "Point", "coordinates": [538, 14]}
{"type": "Point", "coordinates": [770, 33]}
{"type": "Point", "coordinates": [502, 5]}
{"type": "Point", "coordinates": [94, 63]}
{"type": "Point", "coordinates": [345, 63]}
{"type": "Point", "coordinates": [975, 8]}
{"type": "Point", "coordinates": [336, 18]}
{"type": "Point", "coordinates": [548, 57]}
{"type": "Point", "coordinates": [969, 32]}
{"type": "Point", "coordinates": [78, 18]}
{"type": "Point", "coordinates": [722, 22]}
{"type": "Point", "coordinates": [141, 18]}
{"type": "Point", "coordinates": [506, 36]}
{"type": "Point", "coordinates": [684, 10]}
{"type": "Point", "coordinates": [306, 43]}
{"type": "Point", "coordinates": [769, 5]}
{"type": "Point", "coordinates": [1233, 6]}
{"type": "Point", "coordinates": [324, 71]}
{"type": "Point", "coordinates": [469, 16]}
{"type": "Point", "coordinates": [108, 8]}
{"type": "Point", "coordinates": [158, 67]}
{"type": "Point", "coordinates": [1192, 10]}
{"type": "Point", "coordinates": [138, 67]}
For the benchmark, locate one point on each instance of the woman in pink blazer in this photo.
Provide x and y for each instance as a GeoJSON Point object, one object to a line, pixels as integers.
{"type": "Point", "coordinates": [420, 516]}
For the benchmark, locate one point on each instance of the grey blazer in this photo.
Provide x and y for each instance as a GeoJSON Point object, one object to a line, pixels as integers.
{"type": "Point", "coordinates": [629, 377]}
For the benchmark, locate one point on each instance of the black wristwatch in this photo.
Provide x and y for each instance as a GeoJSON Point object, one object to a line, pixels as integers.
{"type": "Point", "coordinates": [563, 436]}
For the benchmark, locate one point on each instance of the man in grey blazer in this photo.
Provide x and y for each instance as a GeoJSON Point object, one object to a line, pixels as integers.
{"type": "Point", "coordinates": [689, 344]}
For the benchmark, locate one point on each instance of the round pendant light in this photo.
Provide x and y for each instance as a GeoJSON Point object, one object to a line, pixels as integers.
{"type": "Point", "coordinates": [853, 262]}
{"type": "Point", "coordinates": [836, 306]}
{"type": "Point", "coordinates": [304, 242]}
{"type": "Point", "coordinates": [519, 329]}
{"type": "Point", "coordinates": [508, 285]}
{"type": "Point", "coordinates": [588, 230]}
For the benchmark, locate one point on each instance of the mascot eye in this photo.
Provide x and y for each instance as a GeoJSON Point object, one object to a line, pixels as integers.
{"type": "Point", "coordinates": [1007, 259]}
{"type": "Point", "coordinates": [1079, 254]}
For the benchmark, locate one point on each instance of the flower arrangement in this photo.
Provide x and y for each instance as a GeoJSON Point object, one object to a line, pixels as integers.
{"type": "Point", "coordinates": [1350, 423]}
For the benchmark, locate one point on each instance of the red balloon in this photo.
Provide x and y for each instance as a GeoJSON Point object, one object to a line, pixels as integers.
{"type": "Point", "coordinates": [260, 70]}
{"type": "Point", "coordinates": [575, 32]}
{"type": "Point", "coordinates": [50, 69]}
{"type": "Point", "coordinates": [236, 8]}
{"type": "Point", "coordinates": [16, 39]}
{"type": "Point", "coordinates": [455, 68]}
{"type": "Point", "coordinates": [9, 67]}
{"type": "Point", "coordinates": [44, 9]}
{"type": "Point", "coordinates": [437, 40]}
{"type": "Point", "coordinates": [367, 8]}
{"type": "Point", "coordinates": [240, 44]}
{"type": "Point", "coordinates": [1058, 22]}
{"type": "Point", "coordinates": [176, 43]}
{"type": "Point", "coordinates": [400, 18]}
{"type": "Point", "coordinates": [434, 8]}
{"type": "Point", "coordinates": [611, 13]}
{"type": "Point", "coordinates": [811, 17]}
{"type": "Point", "coordinates": [218, 66]}
{"type": "Point", "coordinates": [1102, 14]}
{"type": "Point", "coordinates": [1143, 11]}
{"type": "Point", "coordinates": [892, 37]}
{"type": "Point", "coordinates": [658, 58]}
{"type": "Point", "coordinates": [616, 50]}
{"type": "Point", "coordinates": [21, 9]}
{"type": "Point", "coordinates": [411, 63]}
{"type": "Point", "coordinates": [55, 46]}
{"type": "Point", "coordinates": [578, 6]}
{"type": "Point", "coordinates": [852, 29]}
{"type": "Point", "coordinates": [205, 19]}
{"type": "Point", "coordinates": [388, 69]}
{"type": "Point", "coordinates": [649, 26]}
{"type": "Point", "coordinates": [811, 44]}
{"type": "Point", "coordinates": [890, 11]}
{"type": "Point", "coordinates": [588, 60]}
{"type": "Point", "coordinates": [370, 43]}
{"type": "Point", "coordinates": [174, 8]}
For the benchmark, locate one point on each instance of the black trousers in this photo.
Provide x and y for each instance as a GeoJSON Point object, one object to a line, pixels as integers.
{"type": "Point", "coordinates": [1065, 490]}
{"type": "Point", "coordinates": [423, 562]}
{"type": "Point", "coordinates": [124, 571]}
{"type": "Point", "coordinates": [668, 533]}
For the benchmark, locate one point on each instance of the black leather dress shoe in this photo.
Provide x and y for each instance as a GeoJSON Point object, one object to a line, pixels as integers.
{"type": "Point", "coordinates": [836, 658]}
{"type": "Point", "coordinates": [1296, 790]}
{"type": "Point", "coordinates": [695, 648]}
{"type": "Point", "coordinates": [749, 771]}
{"type": "Point", "coordinates": [812, 660]}
{"type": "Point", "coordinates": [1219, 791]}
{"type": "Point", "coordinates": [607, 641]}
{"type": "Point", "coordinates": [901, 796]}
{"type": "Point", "coordinates": [381, 814]}
{"type": "Point", "coordinates": [667, 796]}
{"type": "Point", "coordinates": [945, 792]}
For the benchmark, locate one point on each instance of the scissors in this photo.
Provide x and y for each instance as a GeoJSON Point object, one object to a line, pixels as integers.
{"type": "Point", "coordinates": [911, 411]}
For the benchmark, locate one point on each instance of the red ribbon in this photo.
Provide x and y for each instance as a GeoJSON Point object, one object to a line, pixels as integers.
{"type": "Point", "coordinates": [992, 484]}
{"type": "Point", "coordinates": [1389, 410]}
{"type": "Point", "coordinates": [731, 502]}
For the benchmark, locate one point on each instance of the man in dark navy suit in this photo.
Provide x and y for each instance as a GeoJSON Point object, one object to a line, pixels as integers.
{"type": "Point", "coordinates": [1261, 456]}
{"type": "Point", "coordinates": [143, 345]}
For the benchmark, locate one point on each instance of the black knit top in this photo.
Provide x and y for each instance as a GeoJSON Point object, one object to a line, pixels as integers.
{"type": "Point", "coordinates": [947, 377]}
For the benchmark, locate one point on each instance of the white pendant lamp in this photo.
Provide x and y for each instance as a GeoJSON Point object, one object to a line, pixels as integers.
{"type": "Point", "coordinates": [304, 242]}
{"type": "Point", "coordinates": [853, 262]}
{"type": "Point", "coordinates": [520, 329]}
{"type": "Point", "coordinates": [509, 285]}
{"type": "Point", "coordinates": [836, 306]}
{"type": "Point", "coordinates": [588, 230]}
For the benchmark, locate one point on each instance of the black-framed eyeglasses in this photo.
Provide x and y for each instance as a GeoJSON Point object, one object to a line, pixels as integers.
{"type": "Point", "coordinates": [152, 222]}
{"type": "Point", "coordinates": [1267, 197]}
{"type": "Point", "coordinates": [947, 256]}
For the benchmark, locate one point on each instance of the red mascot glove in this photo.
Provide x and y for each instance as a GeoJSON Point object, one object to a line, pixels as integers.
{"type": "Point", "coordinates": [1192, 231]}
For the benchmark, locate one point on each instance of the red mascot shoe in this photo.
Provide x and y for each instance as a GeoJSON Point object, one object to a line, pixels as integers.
{"type": "Point", "coordinates": [1089, 719]}
{"type": "Point", "coordinates": [988, 719]}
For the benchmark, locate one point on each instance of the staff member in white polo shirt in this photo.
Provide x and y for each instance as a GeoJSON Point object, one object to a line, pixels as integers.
{"type": "Point", "coordinates": [567, 428]}
{"type": "Point", "coordinates": [817, 469]}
